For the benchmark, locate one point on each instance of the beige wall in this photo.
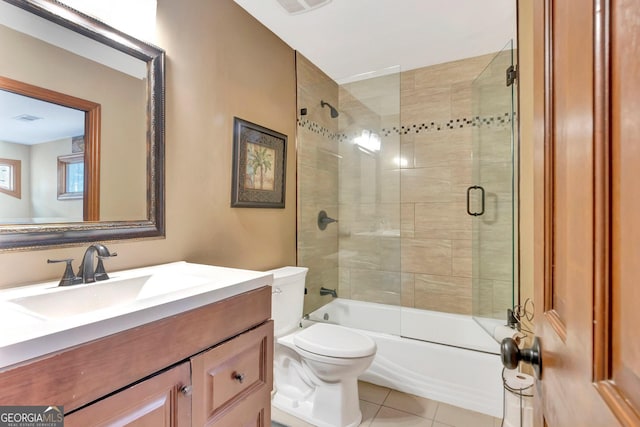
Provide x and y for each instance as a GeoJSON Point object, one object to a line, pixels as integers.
{"type": "Point", "coordinates": [10, 206]}
{"type": "Point", "coordinates": [526, 97]}
{"type": "Point", "coordinates": [221, 63]}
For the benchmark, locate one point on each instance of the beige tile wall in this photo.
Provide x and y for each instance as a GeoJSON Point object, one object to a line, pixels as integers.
{"type": "Point", "coordinates": [404, 237]}
{"type": "Point", "coordinates": [435, 248]}
{"type": "Point", "coordinates": [437, 232]}
{"type": "Point", "coordinates": [317, 148]}
{"type": "Point", "coordinates": [370, 263]}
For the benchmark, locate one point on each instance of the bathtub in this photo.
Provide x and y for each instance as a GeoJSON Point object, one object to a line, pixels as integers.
{"type": "Point", "coordinates": [449, 357]}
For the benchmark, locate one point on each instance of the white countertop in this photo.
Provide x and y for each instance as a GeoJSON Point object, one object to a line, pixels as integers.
{"type": "Point", "coordinates": [170, 289]}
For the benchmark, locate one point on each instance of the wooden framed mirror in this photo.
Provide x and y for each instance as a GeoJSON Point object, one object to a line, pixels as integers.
{"type": "Point", "coordinates": [117, 83]}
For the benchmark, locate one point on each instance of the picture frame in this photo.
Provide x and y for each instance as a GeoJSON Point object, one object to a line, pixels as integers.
{"type": "Point", "coordinates": [10, 177]}
{"type": "Point", "coordinates": [259, 166]}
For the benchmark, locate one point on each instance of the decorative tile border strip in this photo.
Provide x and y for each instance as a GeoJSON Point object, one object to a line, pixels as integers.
{"type": "Point", "coordinates": [320, 130]}
{"type": "Point", "coordinates": [496, 122]}
{"type": "Point", "coordinates": [493, 122]}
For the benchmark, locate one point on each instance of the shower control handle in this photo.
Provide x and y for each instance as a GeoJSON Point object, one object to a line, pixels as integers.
{"type": "Point", "coordinates": [511, 355]}
{"type": "Point", "coordinates": [324, 220]}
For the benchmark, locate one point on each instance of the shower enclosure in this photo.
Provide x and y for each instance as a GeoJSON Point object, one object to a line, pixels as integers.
{"type": "Point", "coordinates": [418, 168]}
{"type": "Point", "coordinates": [349, 166]}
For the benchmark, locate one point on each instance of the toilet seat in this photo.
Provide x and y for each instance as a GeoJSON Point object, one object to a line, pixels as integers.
{"type": "Point", "coordinates": [334, 341]}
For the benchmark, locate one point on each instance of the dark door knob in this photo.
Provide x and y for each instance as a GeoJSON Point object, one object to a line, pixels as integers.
{"type": "Point", "coordinates": [512, 355]}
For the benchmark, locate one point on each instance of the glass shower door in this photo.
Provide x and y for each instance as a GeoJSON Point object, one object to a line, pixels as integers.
{"type": "Point", "coordinates": [348, 151]}
{"type": "Point", "coordinates": [491, 199]}
{"type": "Point", "coordinates": [369, 196]}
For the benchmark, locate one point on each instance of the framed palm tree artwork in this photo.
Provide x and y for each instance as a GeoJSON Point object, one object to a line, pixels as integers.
{"type": "Point", "coordinates": [259, 163]}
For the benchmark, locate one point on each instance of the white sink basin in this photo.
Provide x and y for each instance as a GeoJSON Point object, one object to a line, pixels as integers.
{"type": "Point", "coordinates": [62, 302]}
{"type": "Point", "coordinates": [44, 318]}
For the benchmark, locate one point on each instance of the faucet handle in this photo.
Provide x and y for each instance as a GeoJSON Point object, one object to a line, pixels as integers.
{"type": "Point", "coordinates": [101, 273]}
{"type": "Point", "coordinates": [68, 278]}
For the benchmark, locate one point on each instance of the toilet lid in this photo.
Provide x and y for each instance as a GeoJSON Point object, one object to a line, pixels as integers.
{"type": "Point", "coordinates": [334, 341]}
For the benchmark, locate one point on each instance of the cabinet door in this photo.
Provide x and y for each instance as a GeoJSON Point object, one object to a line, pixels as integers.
{"type": "Point", "coordinates": [156, 402]}
{"type": "Point", "coordinates": [237, 373]}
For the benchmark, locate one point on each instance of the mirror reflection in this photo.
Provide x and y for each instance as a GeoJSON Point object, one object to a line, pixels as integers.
{"type": "Point", "coordinates": [48, 141]}
{"type": "Point", "coordinates": [122, 101]}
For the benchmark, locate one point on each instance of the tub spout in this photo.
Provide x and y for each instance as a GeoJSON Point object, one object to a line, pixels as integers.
{"type": "Point", "coordinates": [325, 291]}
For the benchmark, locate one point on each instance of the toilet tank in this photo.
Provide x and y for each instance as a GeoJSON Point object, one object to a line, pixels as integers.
{"type": "Point", "coordinates": [287, 298]}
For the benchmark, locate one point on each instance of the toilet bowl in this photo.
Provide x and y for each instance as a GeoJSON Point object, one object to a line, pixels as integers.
{"type": "Point", "coordinates": [316, 368]}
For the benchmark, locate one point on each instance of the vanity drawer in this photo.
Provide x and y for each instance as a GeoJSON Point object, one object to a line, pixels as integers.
{"type": "Point", "coordinates": [228, 374]}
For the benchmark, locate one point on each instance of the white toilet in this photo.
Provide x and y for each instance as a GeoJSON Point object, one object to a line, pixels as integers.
{"type": "Point", "coordinates": [316, 368]}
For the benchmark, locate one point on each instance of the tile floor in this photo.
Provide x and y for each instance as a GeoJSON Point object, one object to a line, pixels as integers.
{"type": "Point", "coordinates": [382, 406]}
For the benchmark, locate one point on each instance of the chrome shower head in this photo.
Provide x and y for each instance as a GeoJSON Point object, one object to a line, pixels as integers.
{"type": "Point", "coordinates": [334, 112]}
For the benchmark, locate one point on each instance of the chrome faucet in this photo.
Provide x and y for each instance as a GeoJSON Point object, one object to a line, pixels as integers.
{"type": "Point", "coordinates": [86, 270]}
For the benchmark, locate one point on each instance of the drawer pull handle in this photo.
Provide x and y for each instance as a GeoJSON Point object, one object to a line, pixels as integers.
{"type": "Point", "coordinates": [238, 377]}
{"type": "Point", "coordinates": [186, 390]}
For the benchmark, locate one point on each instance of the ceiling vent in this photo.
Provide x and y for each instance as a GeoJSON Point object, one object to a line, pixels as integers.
{"type": "Point", "coordinates": [27, 118]}
{"type": "Point", "coordinates": [295, 7]}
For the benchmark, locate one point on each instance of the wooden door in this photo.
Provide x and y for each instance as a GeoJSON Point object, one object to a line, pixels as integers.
{"type": "Point", "coordinates": [156, 402]}
{"type": "Point", "coordinates": [587, 165]}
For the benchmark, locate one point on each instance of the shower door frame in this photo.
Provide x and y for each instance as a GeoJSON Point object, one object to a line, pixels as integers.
{"type": "Point", "coordinates": [477, 210]}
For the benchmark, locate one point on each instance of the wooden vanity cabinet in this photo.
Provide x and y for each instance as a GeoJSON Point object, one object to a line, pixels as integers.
{"type": "Point", "coordinates": [211, 366]}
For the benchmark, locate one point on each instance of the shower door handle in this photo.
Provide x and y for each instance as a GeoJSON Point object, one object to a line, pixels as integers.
{"type": "Point", "coordinates": [475, 187]}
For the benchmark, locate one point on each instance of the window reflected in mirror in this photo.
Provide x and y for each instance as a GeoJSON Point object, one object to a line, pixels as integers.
{"type": "Point", "coordinates": [10, 177]}
{"type": "Point", "coordinates": [71, 176]}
